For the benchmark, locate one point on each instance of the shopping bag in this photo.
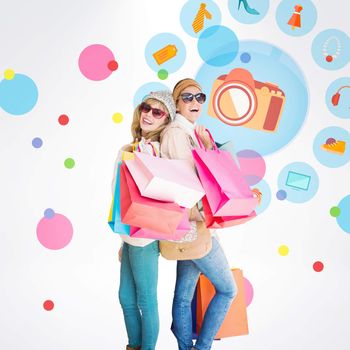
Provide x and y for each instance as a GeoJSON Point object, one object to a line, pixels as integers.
{"type": "Point", "coordinates": [227, 191]}
{"type": "Point", "coordinates": [114, 219]}
{"type": "Point", "coordinates": [212, 221]}
{"type": "Point", "coordinates": [183, 228]}
{"type": "Point", "coordinates": [170, 180]}
{"type": "Point", "coordinates": [236, 321]}
{"type": "Point", "coordinates": [139, 211]}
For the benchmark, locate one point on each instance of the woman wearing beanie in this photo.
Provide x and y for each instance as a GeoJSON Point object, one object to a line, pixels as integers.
{"type": "Point", "coordinates": [177, 141]}
{"type": "Point", "coordinates": [138, 256]}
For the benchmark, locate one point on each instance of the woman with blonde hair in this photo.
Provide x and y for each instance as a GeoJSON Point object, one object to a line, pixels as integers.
{"type": "Point", "coordinates": [139, 256]}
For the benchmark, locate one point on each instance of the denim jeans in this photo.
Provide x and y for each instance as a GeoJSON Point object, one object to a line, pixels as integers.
{"type": "Point", "coordinates": [215, 267]}
{"type": "Point", "coordinates": [138, 294]}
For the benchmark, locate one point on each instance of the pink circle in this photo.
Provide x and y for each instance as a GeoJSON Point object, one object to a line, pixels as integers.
{"type": "Point", "coordinates": [54, 233]}
{"type": "Point", "coordinates": [249, 291]}
{"type": "Point", "coordinates": [93, 62]}
{"type": "Point", "coordinates": [252, 165]}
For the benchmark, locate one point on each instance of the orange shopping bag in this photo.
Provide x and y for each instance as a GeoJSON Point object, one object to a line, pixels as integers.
{"type": "Point", "coordinates": [235, 322]}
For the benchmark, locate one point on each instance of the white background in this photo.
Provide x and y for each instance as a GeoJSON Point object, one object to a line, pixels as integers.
{"type": "Point", "coordinates": [293, 306]}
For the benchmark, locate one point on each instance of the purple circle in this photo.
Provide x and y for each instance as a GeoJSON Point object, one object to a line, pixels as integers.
{"type": "Point", "coordinates": [37, 142]}
{"type": "Point", "coordinates": [49, 213]}
{"type": "Point", "coordinates": [281, 195]}
{"type": "Point", "coordinates": [252, 166]}
{"type": "Point", "coordinates": [245, 57]}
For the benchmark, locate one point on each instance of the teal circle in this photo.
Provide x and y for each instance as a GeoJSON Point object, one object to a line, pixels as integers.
{"type": "Point", "coordinates": [343, 219]}
{"type": "Point", "coordinates": [268, 63]}
{"type": "Point", "coordinates": [169, 43]}
{"type": "Point", "coordinates": [218, 46]}
{"type": "Point", "coordinates": [331, 159]}
{"type": "Point", "coordinates": [264, 188]}
{"type": "Point", "coordinates": [189, 12]}
{"type": "Point", "coordinates": [145, 89]}
{"type": "Point", "coordinates": [300, 181]}
{"type": "Point", "coordinates": [308, 17]}
{"type": "Point", "coordinates": [336, 40]}
{"type": "Point", "coordinates": [248, 11]}
{"type": "Point", "coordinates": [18, 95]}
{"type": "Point", "coordinates": [342, 108]}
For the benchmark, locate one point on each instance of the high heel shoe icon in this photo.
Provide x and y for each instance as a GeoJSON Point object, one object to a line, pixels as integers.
{"type": "Point", "coordinates": [247, 7]}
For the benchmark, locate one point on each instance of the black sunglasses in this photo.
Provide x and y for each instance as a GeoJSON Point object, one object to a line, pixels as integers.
{"type": "Point", "coordinates": [156, 112]}
{"type": "Point", "coordinates": [187, 97]}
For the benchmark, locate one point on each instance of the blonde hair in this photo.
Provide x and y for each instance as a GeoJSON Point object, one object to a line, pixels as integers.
{"type": "Point", "coordinates": [136, 130]}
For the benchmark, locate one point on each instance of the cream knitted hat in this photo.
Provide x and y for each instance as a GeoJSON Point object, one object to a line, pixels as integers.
{"type": "Point", "coordinates": [166, 98]}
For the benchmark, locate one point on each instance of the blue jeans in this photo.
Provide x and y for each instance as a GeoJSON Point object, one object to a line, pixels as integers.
{"type": "Point", "coordinates": [138, 294]}
{"type": "Point", "coordinates": [214, 266]}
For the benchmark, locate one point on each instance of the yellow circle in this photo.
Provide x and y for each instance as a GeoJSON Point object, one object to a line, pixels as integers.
{"type": "Point", "coordinates": [9, 74]}
{"type": "Point", "coordinates": [283, 250]}
{"type": "Point", "coordinates": [117, 118]}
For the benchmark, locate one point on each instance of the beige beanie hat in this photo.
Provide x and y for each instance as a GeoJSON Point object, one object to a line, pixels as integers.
{"type": "Point", "coordinates": [182, 85]}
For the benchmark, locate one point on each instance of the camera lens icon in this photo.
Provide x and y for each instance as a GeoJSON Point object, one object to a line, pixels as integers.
{"type": "Point", "coordinates": [239, 100]}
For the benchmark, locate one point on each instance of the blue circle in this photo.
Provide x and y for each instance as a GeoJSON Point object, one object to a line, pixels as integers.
{"type": "Point", "coordinates": [169, 49]}
{"type": "Point", "coordinates": [343, 219]}
{"type": "Point", "coordinates": [49, 213]}
{"type": "Point", "coordinates": [218, 46]}
{"type": "Point", "coordinates": [308, 17]}
{"type": "Point", "coordinates": [245, 57]}
{"type": "Point", "coordinates": [268, 64]}
{"type": "Point", "coordinates": [264, 188]}
{"type": "Point", "coordinates": [338, 98]}
{"type": "Point", "coordinates": [331, 42]}
{"type": "Point", "coordinates": [332, 155]}
{"type": "Point", "coordinates": [248, 11]}
{"type": "Point", "coordinates": [300, 182]}
{"type": "Point", "coordinates": [18, 95]}
{"type": "Point", "coordinates": [189, 13]}
{"type": "Point", "coordinates": [37, 142]}
{"type": "Point", "coordinates": [145, 89]}
{"type": "Point", "coordinates": [281, 195]}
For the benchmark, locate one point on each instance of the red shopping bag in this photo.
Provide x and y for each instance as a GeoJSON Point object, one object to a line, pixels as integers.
{"type": "Point", "coordinates": [212, 221]}
{"type": "Point", "coordinates": [236, 321]}
{"type": "Point", "coordinates": [227, 191]}
{"type": "Point", "coordinates": [144, 212]}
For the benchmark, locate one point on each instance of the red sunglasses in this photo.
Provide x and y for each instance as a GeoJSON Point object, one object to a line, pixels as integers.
{"type": "Point", "coordinates": [156, 112]}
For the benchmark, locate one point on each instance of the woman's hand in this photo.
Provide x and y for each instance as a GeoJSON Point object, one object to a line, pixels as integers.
{"type": "Point", "coordinates": [120, 253]}
{"type": "Point", "coordinates": [204, 136]}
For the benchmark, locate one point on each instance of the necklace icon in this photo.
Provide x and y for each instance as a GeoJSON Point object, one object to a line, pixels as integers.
{"type": "Point", "coordinates": [328, 56]}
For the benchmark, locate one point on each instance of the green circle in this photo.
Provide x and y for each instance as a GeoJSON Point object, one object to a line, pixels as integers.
{"type": "Point", "coordinates": [163, 74]}
{"type": "Point", "coordinates": [69, 163]}
{"type": "Point", "coordinates": [335, 211]}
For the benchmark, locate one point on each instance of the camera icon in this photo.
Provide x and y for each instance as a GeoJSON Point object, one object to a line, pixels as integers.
{"type": "Point", "coordinates": [238, 100]}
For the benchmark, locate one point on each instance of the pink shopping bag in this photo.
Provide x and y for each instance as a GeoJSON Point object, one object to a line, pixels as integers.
{"type": "Point", "coordinates": [178, 234]}
{"type": "Point", "coordinates": [212, 221]}
{"type": "Point", "coordinates": [144, 212]}
{"type": "Point", "coordinates": [227, 191]}
{"type": "Point", "coordinates": [171, 180]}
